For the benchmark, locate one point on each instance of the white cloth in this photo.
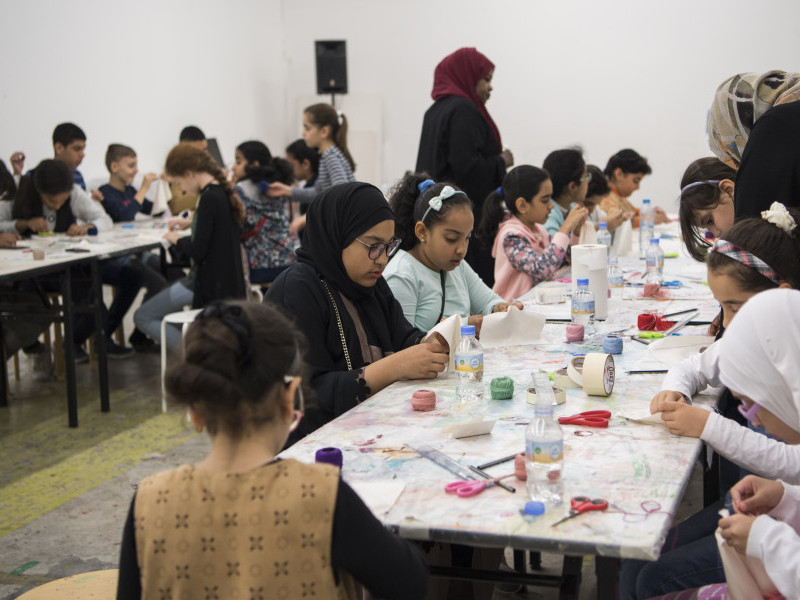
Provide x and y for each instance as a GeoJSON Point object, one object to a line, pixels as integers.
{"type": "Point", "coordinates": [752, 450]}
{"type": "Point", "coordinates": [777, 544]}
{"type": "Point", "coordinates": [760, 353]}
{"type": "Point", "coordinates": [694, 374]}
{"type": "Point", "coordinates": [83, 208]}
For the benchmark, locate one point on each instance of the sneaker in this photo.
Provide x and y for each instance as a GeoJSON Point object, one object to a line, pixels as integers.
{"type": "Point", "coordinates": [42, 366]}
{"type": "Point", "coordinates": [142, 343]}
{"type": "Point", "coordinates": [81, 357]}
{"type": "Point", "coordinates": [114, 350]}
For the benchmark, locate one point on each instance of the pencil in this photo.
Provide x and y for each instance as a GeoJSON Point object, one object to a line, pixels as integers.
{"type": "Point", "coordinates": [680, 312]}
{"type": "Point", "coordinates": [493, 463]}
{"type": "Point", "coordinates": [647, 372]}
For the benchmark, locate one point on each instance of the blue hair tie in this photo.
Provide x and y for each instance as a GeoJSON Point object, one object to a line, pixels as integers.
{"type": "Point", "coordinates": [499, 191]}
{"type": "Point", "coordinates": [263, 186]}
{"type": "Point", "coordinates": [425, 185]}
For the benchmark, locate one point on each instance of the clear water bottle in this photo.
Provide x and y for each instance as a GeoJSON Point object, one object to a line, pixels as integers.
{"type": "Point", "coordinates": [654, 263]}
{"type": "Point", "coordinates": [604, 236]}
{"type": "Point", "coordinates": [582, 307]}
{"type": "Point", "coordinates": [647, 224]}
{"type": "Point", "coordinates": [469, 366]}
{"type": "Point", "coordinates": [544, 447]}
{"type": "Point", "coordinates": [616, 283]}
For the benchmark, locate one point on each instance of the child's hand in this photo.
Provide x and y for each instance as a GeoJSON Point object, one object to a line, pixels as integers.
{"type": "Point", "coordinates": [574, 219]}
{"type": "Point", "coordinates": [9, 240]}
{"type": "Point", "coordinates": [96, 195]}
{"type": "Point", "coordinates": [179, 223]}
{"type": "Point", "coordinates": [656, 404]}
{"type": "Point", "coordinates": [277, 189]}
{"type": "Point", "coordinates": [507, 157]}
{"type": "Point", "coordinates": [37, 225]}
{"type": "Point", "coordinates": [660, 215]}
{"type": "Point", "coordinates": [437, 338]}
{"type": "Point", "coordinates": [421, 361]}
{"type": "Point", "coordinates": [756, 496]}
{"type": "Point", "coordinates": [148, 180]}
{"type": "Point", "coordinates": [297, 224]}
{"type": "Point", "coordinates": [615, 219]}
{"type": "Point", "coordinates": [477, 321]}
{"type": "Point", "coordinates": [713, 329]}
{"type": "Point", "coordinates": [75, 230]}
{"type": "Point", "coordinates": [173, 236]}
{"type": "Point", "coordinates": [736, 530]}
{"type": "Point", "coordinates": [504, 306]}
{"type": "Point", "coordinates": [17, 162]}
{"type": "Point", "coordinates": [683, 419]}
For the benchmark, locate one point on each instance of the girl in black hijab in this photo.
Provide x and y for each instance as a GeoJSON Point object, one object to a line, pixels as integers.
{"type": "Point", "coordinates": [359, 340]}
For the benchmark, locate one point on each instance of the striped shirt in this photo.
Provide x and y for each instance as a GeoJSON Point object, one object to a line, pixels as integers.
{"type": "Point", "coordinates": [333, 170]}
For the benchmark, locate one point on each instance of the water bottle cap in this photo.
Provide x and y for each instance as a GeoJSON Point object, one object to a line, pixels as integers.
{"type": "Point", "coordinates": [582, 282]}
{"type": "Point", "coordinates": [646, 201]}
{"type": "Point", "coordinates": [603, 225]}
{"type": "Point", "coordinates": [468, 330]}
{"type": "Point", "coordinates": [613, 261]}
{"type": "Point", "coordinates": [654, 240]}
{"type": "Point", "coordinates": [534, 509]}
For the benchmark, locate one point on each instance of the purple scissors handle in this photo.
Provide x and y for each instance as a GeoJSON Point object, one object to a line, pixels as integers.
{"type": "Point", "coordinates": [467, 489]}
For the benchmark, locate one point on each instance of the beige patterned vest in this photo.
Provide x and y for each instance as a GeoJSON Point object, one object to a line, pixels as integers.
{"type": "Point", "coordinates": [258, 535]}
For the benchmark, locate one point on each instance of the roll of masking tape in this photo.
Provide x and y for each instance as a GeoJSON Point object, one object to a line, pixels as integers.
{"type": "Point", "coordinates": [561, 379]}
{"type": "Point", "coordinates": [559, 393]}
{"type": "Point", "coordinates": [593, 372]}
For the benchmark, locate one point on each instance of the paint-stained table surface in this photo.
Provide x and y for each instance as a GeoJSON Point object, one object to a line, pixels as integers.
{"type": "Point", "coordinates": [637, 467]}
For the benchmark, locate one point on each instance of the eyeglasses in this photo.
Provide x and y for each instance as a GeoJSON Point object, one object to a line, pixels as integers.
{"type": "Point", "coordinates": [299, 400]}
{"type": "Point", "coordinates": [750, 413]}
{"type": "Point", "coordinates": [377, 249]}
{"type": "Point", "coordinates": [587, 177]}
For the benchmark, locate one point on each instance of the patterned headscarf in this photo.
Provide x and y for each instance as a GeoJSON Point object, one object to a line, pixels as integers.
{"type": "Point", "coordinates": [739, 102]}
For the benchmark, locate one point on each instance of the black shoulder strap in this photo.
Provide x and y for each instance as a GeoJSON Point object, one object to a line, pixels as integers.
{"type": "Point", "coordinates": [442, 276]}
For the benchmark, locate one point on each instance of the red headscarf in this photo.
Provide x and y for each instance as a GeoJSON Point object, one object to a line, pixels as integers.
{"type": "Point", "coordinates": [458, 74]}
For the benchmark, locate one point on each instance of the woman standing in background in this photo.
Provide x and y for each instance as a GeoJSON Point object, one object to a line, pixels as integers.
{"type": "Point", "coordinates": [460, 142]}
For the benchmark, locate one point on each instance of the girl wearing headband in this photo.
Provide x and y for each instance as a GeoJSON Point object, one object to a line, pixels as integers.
{"type": "Point", "coordinates": [362, 342]}
{"type": "Point", "coordinates": [756, 255]}
{"type": "Point", "coordinates": [513, 217]}
{"type": "Point", "coordinates": [242, 519]}
{"type": "Point", "coordinates": [429, 276]}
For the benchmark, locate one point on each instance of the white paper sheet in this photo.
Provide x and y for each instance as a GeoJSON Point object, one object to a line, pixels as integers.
{"type": "Point", "coordinates": [676, 348]}
{"type": "Point", "coordinates": [163, 196]}
{"type": "Point", "coordinates": [380, 495]}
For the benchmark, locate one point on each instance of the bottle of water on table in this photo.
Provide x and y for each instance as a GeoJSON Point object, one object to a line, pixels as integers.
{"type": "Point", "coordinates": [647, 224]}
{"type": "Point", "coordinates": [604, 236]}
{"type": "Point", "coordinates": [616, 282]}
{"type": "Point", "coordinates": [544, 447]}
{"type": "Point", "coordinates": [582, 307]}
{"type": "Point", "coordinates": [654, 263]}
{"type": "Point", "coordinates": [469, 366]}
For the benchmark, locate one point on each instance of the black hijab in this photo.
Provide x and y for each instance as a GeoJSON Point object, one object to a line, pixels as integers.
{"type": "Point", "coordinates": [335, 218]}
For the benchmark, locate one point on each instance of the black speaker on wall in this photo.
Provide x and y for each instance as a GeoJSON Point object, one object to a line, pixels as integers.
{"type": "Point", "coordinates": [331, 66]}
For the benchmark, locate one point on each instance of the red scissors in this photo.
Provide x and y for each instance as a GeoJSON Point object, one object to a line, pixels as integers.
{"type": "Point", "coordinates": [582, 504]}
{"type": "Point", "coordinates": [589, 418]}
{"type": "Point", "coordinates": [467, 489]}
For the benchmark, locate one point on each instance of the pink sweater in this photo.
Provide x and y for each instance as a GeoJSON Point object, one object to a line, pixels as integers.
{"type": "Point", "coordinates": [509, 283]}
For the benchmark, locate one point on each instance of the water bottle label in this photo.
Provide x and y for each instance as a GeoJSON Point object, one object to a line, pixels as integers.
{"type": "Point", "coordinates": [545, 452]}
{"type": "Point", "coordinates": [582, 307]}
{"type": "Point", "coordinates": [616, 282]}
{"type": "Point", "coordinates": [469, 363]}
{"type": "Point", "coordinates": [660, 262]}
{"type": "Point", "coordinates": [650, 261]}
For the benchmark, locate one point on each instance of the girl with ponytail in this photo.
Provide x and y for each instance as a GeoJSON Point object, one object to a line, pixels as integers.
{"type": "Point", "coordinates": [325, 129]}
{"type": "Point", "coordinates": [213, 245]}
{"type": "Point", "coordinates": [429, 276]}
{"type": "Point", "coordinates": [513, 218]}
{"type": "Point", "coordinates": [267, 237]}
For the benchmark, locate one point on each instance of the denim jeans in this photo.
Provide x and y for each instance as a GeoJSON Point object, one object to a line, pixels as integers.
{"type": "Point", "coordinates": [689, 559]}
{"type": "Point", "coordinates": [169, 300]}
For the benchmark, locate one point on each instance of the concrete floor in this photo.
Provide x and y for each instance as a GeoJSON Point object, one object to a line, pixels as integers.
{"type": "Point", "coordinates": [65, 493]}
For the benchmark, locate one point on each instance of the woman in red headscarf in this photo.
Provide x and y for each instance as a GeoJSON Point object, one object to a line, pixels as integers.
{"type": "Point", "coordinates": [460, 142]}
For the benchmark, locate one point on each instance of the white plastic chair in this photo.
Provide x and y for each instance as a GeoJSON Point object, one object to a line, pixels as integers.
{"type": "Point", "coordinates": [183, 318]}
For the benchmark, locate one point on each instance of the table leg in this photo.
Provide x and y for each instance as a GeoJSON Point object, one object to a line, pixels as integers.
{"type": "Point", "coordinates": [100, 337]}
{"type": "Point", "coordinates": [4, 380]}
{"type": "Point", "coordinates": [69, 348]}
{"type": "Point", "coordinates": [607, 570]}
{"type": "Point", "coordinates": [570, 577]}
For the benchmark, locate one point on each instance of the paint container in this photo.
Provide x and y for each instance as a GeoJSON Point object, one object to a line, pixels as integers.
{"type": "Point", "coordinates": [330, 455]}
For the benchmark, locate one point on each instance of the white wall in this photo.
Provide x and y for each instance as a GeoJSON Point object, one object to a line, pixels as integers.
{"type": "Point", "coordinates": [137, 72]}
{"type": "Point", "coordinates": [605, 75]}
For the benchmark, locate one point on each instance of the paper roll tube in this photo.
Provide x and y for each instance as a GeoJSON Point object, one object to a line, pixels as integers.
{"type": "Point", "coordinates": [593, 372]}
{"type": "Point", "coordinates": [590, 261]}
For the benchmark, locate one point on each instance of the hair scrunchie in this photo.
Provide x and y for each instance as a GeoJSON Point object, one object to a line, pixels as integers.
{"type": "Point", "coordinates": [499, 191]}
{"type": "Point", "coordinates": [263, 186]}
{"type": "Point", "coordinates": [780, 217]}
{"type": "Point", "coordinates": [423, 186]}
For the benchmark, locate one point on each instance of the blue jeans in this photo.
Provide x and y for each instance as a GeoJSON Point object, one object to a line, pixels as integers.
{"type": "Point", "coordinates": [169, 300]}
{"type": "Point", "coordinates": [689, 559]}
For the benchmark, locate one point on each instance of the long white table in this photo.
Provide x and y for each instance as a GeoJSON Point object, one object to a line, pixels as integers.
{"type": "Point", "coordinates": [629, 463]}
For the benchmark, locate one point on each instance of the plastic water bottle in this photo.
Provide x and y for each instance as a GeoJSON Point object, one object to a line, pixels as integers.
{"type": "Point", "coordinates": [604, 236]}
{"type": "Point", "coordinates": [544, 447]}
{"type": "Point", "coordinates": [654, 263]}
{"type": "Point", "coordinates": [469, 366]}
{"type": "Point", "coordinates": [616, 283]}
{"type": "Point", "coordinates": [582, 307]}
{"type": "Point", "coordinates": [647, 224]}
